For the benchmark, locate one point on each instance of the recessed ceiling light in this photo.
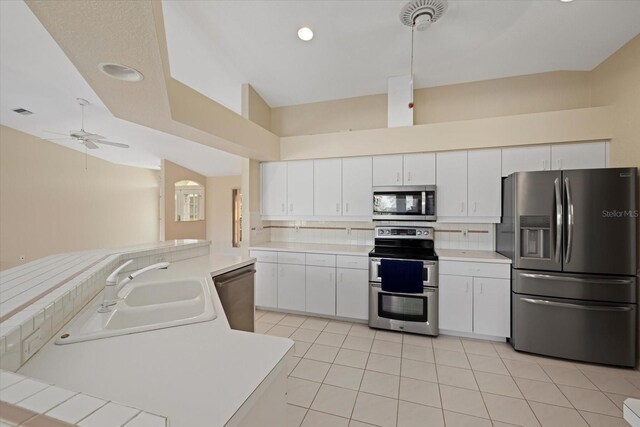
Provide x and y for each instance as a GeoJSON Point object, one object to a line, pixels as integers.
{"type": "Point", "coordinates": [120, 72]}
{"type": "Point", "coordinates": [566, 1]}
{"type": "Point", "coordinates": [305, 34]}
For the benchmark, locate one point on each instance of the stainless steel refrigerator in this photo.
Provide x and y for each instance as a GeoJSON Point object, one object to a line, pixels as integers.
{"type": "Point", "coordinates": [571, 236]}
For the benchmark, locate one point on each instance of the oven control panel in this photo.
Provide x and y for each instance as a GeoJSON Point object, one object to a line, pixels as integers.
{"type": "Point", "coordinates": [402, 232]}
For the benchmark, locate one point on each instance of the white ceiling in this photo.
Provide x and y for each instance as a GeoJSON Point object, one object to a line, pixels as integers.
{"type": "Point", "coordinates": [214, 46]}
{"type": "Point", "coordinates": [36, 74]}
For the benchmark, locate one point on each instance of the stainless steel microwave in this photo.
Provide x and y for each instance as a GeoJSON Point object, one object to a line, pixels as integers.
{"type": "Point", "coordinates": [406, 203]}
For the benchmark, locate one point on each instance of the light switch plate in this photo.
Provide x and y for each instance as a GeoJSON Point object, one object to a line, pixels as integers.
{"type": "Point", "coordinates": [31, 345]}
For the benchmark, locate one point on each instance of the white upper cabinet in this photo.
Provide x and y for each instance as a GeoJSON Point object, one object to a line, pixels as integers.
{"type": "Point", "coordinates": [387, 170]}
{"type": "Point", "coordinates": [484, 183]}
{"type": "Point", "coordinates": [419, 169]}
{"type": "Point", "coordinates": [526, 159]}
{"type": "Point", "coordinates": [300, 187]}
{"type": "Point", "coordinates": [327, 187]}
{"type": "Point", "coordinates": [274, 188]}
{"type": "Point", "coordinates": [588, 155]}
{"type": "Point", "coordinates": [451, 198]}
{"type": "Point", "coordinates": [357, 197]}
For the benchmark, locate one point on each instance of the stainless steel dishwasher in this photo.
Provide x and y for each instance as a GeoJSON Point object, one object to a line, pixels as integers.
{"type": "Point", "coordinates": [236, 290]}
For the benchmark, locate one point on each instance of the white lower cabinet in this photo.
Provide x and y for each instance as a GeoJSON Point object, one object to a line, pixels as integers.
{"type": "Point", "coordinates": [266, 285]}
{"type": "Point", "coordinates": [321, 290]}
{"type": "Point", "coordinates": [291, 287]}
{"type": "Point", "coordinates": [324, 284]}
{"type": "Point", "coordinates": [491, 306]}
{"type": "Point", "coordinates": [352, 293]}
{"type": "Point", "coordinates": [455, 303]}
{"type": "Point", "coordinates": [470, 303]}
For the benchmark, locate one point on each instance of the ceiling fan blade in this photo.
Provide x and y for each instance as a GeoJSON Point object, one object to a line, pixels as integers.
{"type": "Point", "coordinates": [89, 144]}
{"type": "Point", "coordinates": [60, 139]}
{"type": "Point", "coordinates": [115, 144]}
{"type": "Point", "coordinates": [57, 133]}
{"type": "Point", "coordinates": [85, 135]}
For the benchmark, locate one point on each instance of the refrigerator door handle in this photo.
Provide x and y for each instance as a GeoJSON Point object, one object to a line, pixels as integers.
{"type": "Point", "coordinates": [576, 279]}
{"type": "Point", "coordinates": [558, 194]}
{"type": "Point", "coordinates": [567, 189]}
{"type": "Point", "coordinates": [575, 306]}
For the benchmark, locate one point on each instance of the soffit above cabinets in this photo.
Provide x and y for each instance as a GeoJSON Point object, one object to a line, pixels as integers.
{"type": "Point", "coordinates": [215, 46]}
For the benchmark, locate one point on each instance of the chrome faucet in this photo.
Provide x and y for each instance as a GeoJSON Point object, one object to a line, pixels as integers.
{"type": "Point", "coordinates": [112, 286]}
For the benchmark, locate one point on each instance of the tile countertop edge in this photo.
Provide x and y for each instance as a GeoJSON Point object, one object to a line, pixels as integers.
{"type": "Point", "coordinates": [314, 248]}
{"type": "Point", "coordinates": [471, 256]}
{"type": "Point", "coordinates": [631, 411]}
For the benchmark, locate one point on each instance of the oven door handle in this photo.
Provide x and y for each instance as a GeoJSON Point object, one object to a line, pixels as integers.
{"type": "Point", "coordinates": [425, 291]}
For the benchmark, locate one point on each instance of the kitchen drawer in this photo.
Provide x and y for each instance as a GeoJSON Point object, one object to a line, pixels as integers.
{"type": "Point", "coordinates": [264, 256]}
{"type": "Point", "coordinates": [359, 262]}
{"type": "Point", "coordinates": [321, 260]}
{"type": "Point", "coordinates": [477, 269]}
{"type": "Point", "coordinates": [291, 258]}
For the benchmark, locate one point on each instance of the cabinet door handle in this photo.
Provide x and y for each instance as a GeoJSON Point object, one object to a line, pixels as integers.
{"type": "Point", "coordinates": [462, 207]}
{"type": "Point", "coordinates": [480, 287]}
{"type": "Point", "coordinates": [340, 277]}
{"type": "Point", "coordinates": [338, 207]}
{"type": "Point", "coordinates": [475, 206]}
{"type": "Point", "coordinates": [397, 176]}
{"type": "Point", "coordinates": [544, 165]}
{"type": "Point", "coordinates": [409, 176]}
{"type": "Point", "coordinates": [467, 287]}
{"type": "Point", "coordinates": [347, 207]}
{"type": "Point", "coordinates": [290, 207]}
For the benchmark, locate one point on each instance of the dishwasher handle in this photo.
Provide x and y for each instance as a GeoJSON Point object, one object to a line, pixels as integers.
{"type": "Point", "coordinates": [242, 275]}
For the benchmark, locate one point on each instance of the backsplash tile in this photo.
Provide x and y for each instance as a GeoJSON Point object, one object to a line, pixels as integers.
{"type": "Point", "coordinates": [447, 236]}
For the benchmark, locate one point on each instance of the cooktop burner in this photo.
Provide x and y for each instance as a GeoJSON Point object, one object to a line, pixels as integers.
{"type": "Point", "coordinates": [404, 242]}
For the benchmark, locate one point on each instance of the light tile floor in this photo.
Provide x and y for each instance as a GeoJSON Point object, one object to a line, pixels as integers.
{"type": "Point", "coordinates": [346, 374]}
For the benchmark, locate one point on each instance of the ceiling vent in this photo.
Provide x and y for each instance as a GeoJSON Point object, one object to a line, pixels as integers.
{"type": "Point", "coordinates": [22, 111]}
{"type": "Point", "coordinates": [420, 14]}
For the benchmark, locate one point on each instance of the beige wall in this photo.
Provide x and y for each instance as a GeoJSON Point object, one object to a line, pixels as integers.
{"type": "Point", "coordinates": [617, 82]}
{"type": "Point", "coordinates": [365, 112]}
{"type": "Point", "coordinates": [259, 111]}
{"type": "Point", "coordinates": [172, 173]}
{"type": "Point", "coordinates": [219, 208]}
{"type": "Point", "coordinates": [582, 124]}
{"type": "Point", "coordinates": [490, 98]}
{"type": "Point", "coordinates": [50, 204]}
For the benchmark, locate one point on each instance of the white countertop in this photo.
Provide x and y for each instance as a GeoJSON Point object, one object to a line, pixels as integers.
{"type": "Point", "coordinates": [196, 375]}
{"type": "Point", "coordinates": [631, 411]}
{"type": "Point", "coordinates": [471, 256]}
{"type": "Point", "coordinates": [316, 248]}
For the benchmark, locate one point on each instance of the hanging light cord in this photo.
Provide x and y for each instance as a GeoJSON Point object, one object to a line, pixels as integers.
{"type": "Point", "coordinates": [411, 75]}
{"type": "Point", "coordinates": [412, 28]}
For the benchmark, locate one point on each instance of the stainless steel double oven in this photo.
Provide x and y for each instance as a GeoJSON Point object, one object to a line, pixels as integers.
{"type": "Point", "coordinates": [407, 312]}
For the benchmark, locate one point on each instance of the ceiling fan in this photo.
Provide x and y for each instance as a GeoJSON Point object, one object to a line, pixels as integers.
{"type": "Point", "coordinates": [89, 140]}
